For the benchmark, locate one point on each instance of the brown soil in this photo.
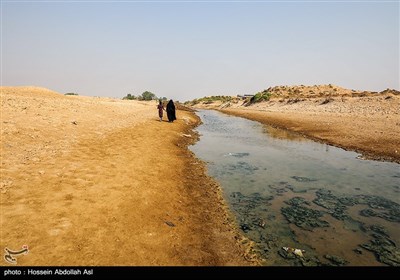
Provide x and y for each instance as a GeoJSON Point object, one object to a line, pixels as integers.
{"type": "Point", "coordinates": [100, 181]}
{"type": "Point", "coordinates": [365, 122]}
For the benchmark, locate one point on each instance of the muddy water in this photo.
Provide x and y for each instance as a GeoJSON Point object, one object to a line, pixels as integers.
{"type": "Point", "coordinates": [288, 191]}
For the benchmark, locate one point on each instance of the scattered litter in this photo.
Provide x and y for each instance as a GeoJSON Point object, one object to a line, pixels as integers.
{"type": "Point", "coordinates": [74, 122]}
{"type": "Point", "coordinates": [297, 252]}
{"type": "Point", "coordinates": [187, 135]}
{"type": "Point", "coordinates": [261, 223]}
{"type": "Point", "coordinates": [170, 224]}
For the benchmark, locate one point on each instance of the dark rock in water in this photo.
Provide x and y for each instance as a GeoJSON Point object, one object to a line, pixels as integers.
{"type": "Point", "coordinates": [303, 179]}
{"type": "Point", "coordinates": [304, 217]}
{"type": "Point", "coordinates": [336, 260]}
{"type": "Point", "coordinates": [384, 249]}
{"type": "Point", "coordinates": [357, 189]}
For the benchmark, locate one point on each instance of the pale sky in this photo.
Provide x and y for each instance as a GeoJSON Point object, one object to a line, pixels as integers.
{"type": "Point", "coordinates": [189, 49]}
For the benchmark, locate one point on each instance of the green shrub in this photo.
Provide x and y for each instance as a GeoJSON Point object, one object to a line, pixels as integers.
{"type": "Point", "coordinates": [209, 99]}
{"type": "Point", "coordinates": [215, 98]}
{"type": "Point", "coordinates": [260, 96]}
{"type": "Point", "coordinates": [129, 97]}
{"type": "Point", "coordinates": [147, 95]}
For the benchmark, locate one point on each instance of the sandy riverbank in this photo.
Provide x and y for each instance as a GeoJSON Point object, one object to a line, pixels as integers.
{"type": "Point", "coordinates": [365, 122]}
{"type": "Point", "coordinates": [99, 181]}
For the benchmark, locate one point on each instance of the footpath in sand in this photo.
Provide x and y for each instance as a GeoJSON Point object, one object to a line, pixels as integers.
{"type": "Point", "coordinates": [97, 181]}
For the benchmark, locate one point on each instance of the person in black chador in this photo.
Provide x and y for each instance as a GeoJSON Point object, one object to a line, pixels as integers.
{"type": "Point", "coordinates": [171, 111]}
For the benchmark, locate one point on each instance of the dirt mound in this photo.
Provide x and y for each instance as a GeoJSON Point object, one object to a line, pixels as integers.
{"type": "Point", "coordinates": [390, 91]}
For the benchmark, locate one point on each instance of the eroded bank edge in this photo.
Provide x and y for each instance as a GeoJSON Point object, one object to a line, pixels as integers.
{"type": "Point", "coordinates": [247, 246]}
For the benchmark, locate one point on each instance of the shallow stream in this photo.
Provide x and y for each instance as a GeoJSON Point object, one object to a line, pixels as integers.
{"type": "Point", "coordinates": [288, 192]}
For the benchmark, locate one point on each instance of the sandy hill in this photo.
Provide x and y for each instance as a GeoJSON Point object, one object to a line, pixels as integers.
{"type": "Point", "coordinates": [312, 91]}
{"type": "Point", "coordinates": [318, 94]}
{"type": "Point", "coordinates": [29, 91]}
{"type": "Point", "coordinates": [317, 91]}
{"type": "Point", "coordinates": [293, 93]}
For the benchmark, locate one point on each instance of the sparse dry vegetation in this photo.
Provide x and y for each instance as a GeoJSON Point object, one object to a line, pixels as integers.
{"type": "Point", "coordinates": [292, 94]}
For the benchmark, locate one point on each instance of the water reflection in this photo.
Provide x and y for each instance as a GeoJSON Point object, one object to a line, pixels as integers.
{"type": "Point", "coordinates": [283, 134]}
{"type": "Point", "coordinates": [287, 191]}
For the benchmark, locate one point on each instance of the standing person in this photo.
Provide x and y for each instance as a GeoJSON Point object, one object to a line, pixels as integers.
{"type": "Point", "coordinates": [171, 111]}
{"type": "Point", "coordinates": [160, 108]}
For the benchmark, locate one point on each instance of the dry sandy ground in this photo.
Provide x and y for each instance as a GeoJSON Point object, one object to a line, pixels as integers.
{"type": "Point", "coordinates": [97, 181]}
{"type": "Point", "coordinates": [365, 122]}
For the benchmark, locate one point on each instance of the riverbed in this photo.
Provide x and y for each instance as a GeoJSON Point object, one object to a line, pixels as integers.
{"type": "Point", "coordinates": [288, 192]}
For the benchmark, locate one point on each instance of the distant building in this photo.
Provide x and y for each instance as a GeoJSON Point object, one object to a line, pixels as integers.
{"type": "Point", "coordinates": [244, 96]}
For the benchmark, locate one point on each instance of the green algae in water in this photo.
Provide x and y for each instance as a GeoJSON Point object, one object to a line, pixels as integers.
{"type": "Point", "coordinates": [289, 193]}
